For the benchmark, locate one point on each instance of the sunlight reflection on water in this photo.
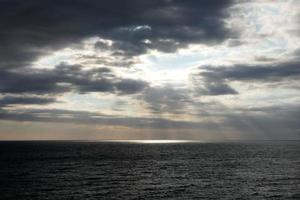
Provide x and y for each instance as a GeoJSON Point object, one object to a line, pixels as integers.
{"type": "Point", "coordinates": [155, 141]}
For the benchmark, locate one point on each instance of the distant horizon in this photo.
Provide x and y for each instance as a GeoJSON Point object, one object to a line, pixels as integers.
{"type": "Point", "coordinates": [153, 140]}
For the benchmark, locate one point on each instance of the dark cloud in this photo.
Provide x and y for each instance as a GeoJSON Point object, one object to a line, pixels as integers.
{"type": "Point", "coordinates": [102, 45]}
{"type": "Point", "coordinates": [130, 86]}
{"type": "Point", "coordinates": [166, 99]}
{"type": "Point", "coordinates": [23, 100]}
{"type": "Point", "coordinates": [210, 86]}
{"type": "Point", "coordinates": [214, 80]}
{"type": "Point", "coordinates": [35, 28]}
{"type": "Point", "coordinates": [36, 81]}
{"type": "Point", "coordinates": [217, 88]}
{"type": "Point", "coordinates": [273, 72]}
{"type": "Point", "coordinates": [65, 78]}
{"type": "Point", "coordinates": [29, 29]}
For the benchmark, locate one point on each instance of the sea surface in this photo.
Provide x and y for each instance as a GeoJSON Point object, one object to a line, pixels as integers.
{"type": "Point", "coordinates": [123, 170]}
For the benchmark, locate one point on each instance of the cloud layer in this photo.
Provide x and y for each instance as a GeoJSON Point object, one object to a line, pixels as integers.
{"type": "Point", "coordinates": [226, 68]}
{"type": "Point", "coordinates": [30, 29]}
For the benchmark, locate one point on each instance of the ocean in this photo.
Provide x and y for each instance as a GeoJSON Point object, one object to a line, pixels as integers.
{"type": "Point", "coordinates": [49, 170]}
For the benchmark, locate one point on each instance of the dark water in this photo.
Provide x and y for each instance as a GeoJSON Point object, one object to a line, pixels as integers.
{"type": "Point", "coordinates": [87, 170]}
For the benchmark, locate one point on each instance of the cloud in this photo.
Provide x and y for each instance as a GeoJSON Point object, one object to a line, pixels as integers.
{"type": "Point", "coordinates": [33, 28]}
{"type": "Point", "coordinates": [85, 117]}
{"type": "Point", "coordinates": [274, 123]}
{"type": "Point", "coordinates": [264, 73]}
{"type": "Point", "coordinates": [122, 50]}
{"type": "Point", "coordinates": [65, 78]}
{"type": "Point", "coordinates": [166, 99]}
{"type": "Point", "coordinates": [296, 53]}
{"type": "Point", "coordinates": [214, 80]}
{"type": "Point", "coordinates": [36, 82]}
{"type": "Point", "coordinates": [235, 42]}
{"type": "Point", "coordinates": [269, 121]}
{"type": "Point", "coordinates": [212, 87]}
{"type": "Point", "coordinates": [24, 100]}
{"type": "Point", "coordinates": [204, 85]}
{"type": "Point", "coordinates": [130, 86]}
{"type": "Point", "coordinates": [264, 59]}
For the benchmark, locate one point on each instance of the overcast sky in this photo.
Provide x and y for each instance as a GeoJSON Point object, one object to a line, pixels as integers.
{"type": "Point", "coordinates": [149, 69]}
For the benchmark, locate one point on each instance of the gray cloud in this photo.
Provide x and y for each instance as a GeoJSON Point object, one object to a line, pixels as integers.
{"type": "Point", "coordinates": [210, 86]}
{"type": "Point", "coordinates": [37, 82]}
{"type": "Point", "coordinates": [214, 80]}
{"type": "Point", "coordinates": [296, 54]}
{"type": "Point", "coordinates": [84, 117]}
{"type": "Point", "coordinates": [166, 99]}
{"type": "Point", "coordinates": [30, 29]}
{"type": "Point", "coordinates": [23, 100]}
{"type": "Point", "coordinates": [272, 72]}
{"type": "Point", "coordinates": [264, 59]}
{"type": "Point", "coordinates": [65, 78]}
{"type": "Point", "coordinates": [130, 86]}
{"type": "Point", "coordinates": [270, 121]}
{"type": "Point", "coordinates": [274, 123]}
{"type": "Point", "coordinates": [33, 28]}
{"type": "Point", "coordinates": [111, 61]}
{"type": "Point", "coordinates": [235, 42]}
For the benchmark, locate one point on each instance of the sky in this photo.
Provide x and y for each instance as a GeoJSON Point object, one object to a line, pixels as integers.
{"type": "Point", "coordinates": [141, 69]}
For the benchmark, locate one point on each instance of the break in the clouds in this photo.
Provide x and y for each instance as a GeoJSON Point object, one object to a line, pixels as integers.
{"type": "Point", "coordinates": [162, 69]}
